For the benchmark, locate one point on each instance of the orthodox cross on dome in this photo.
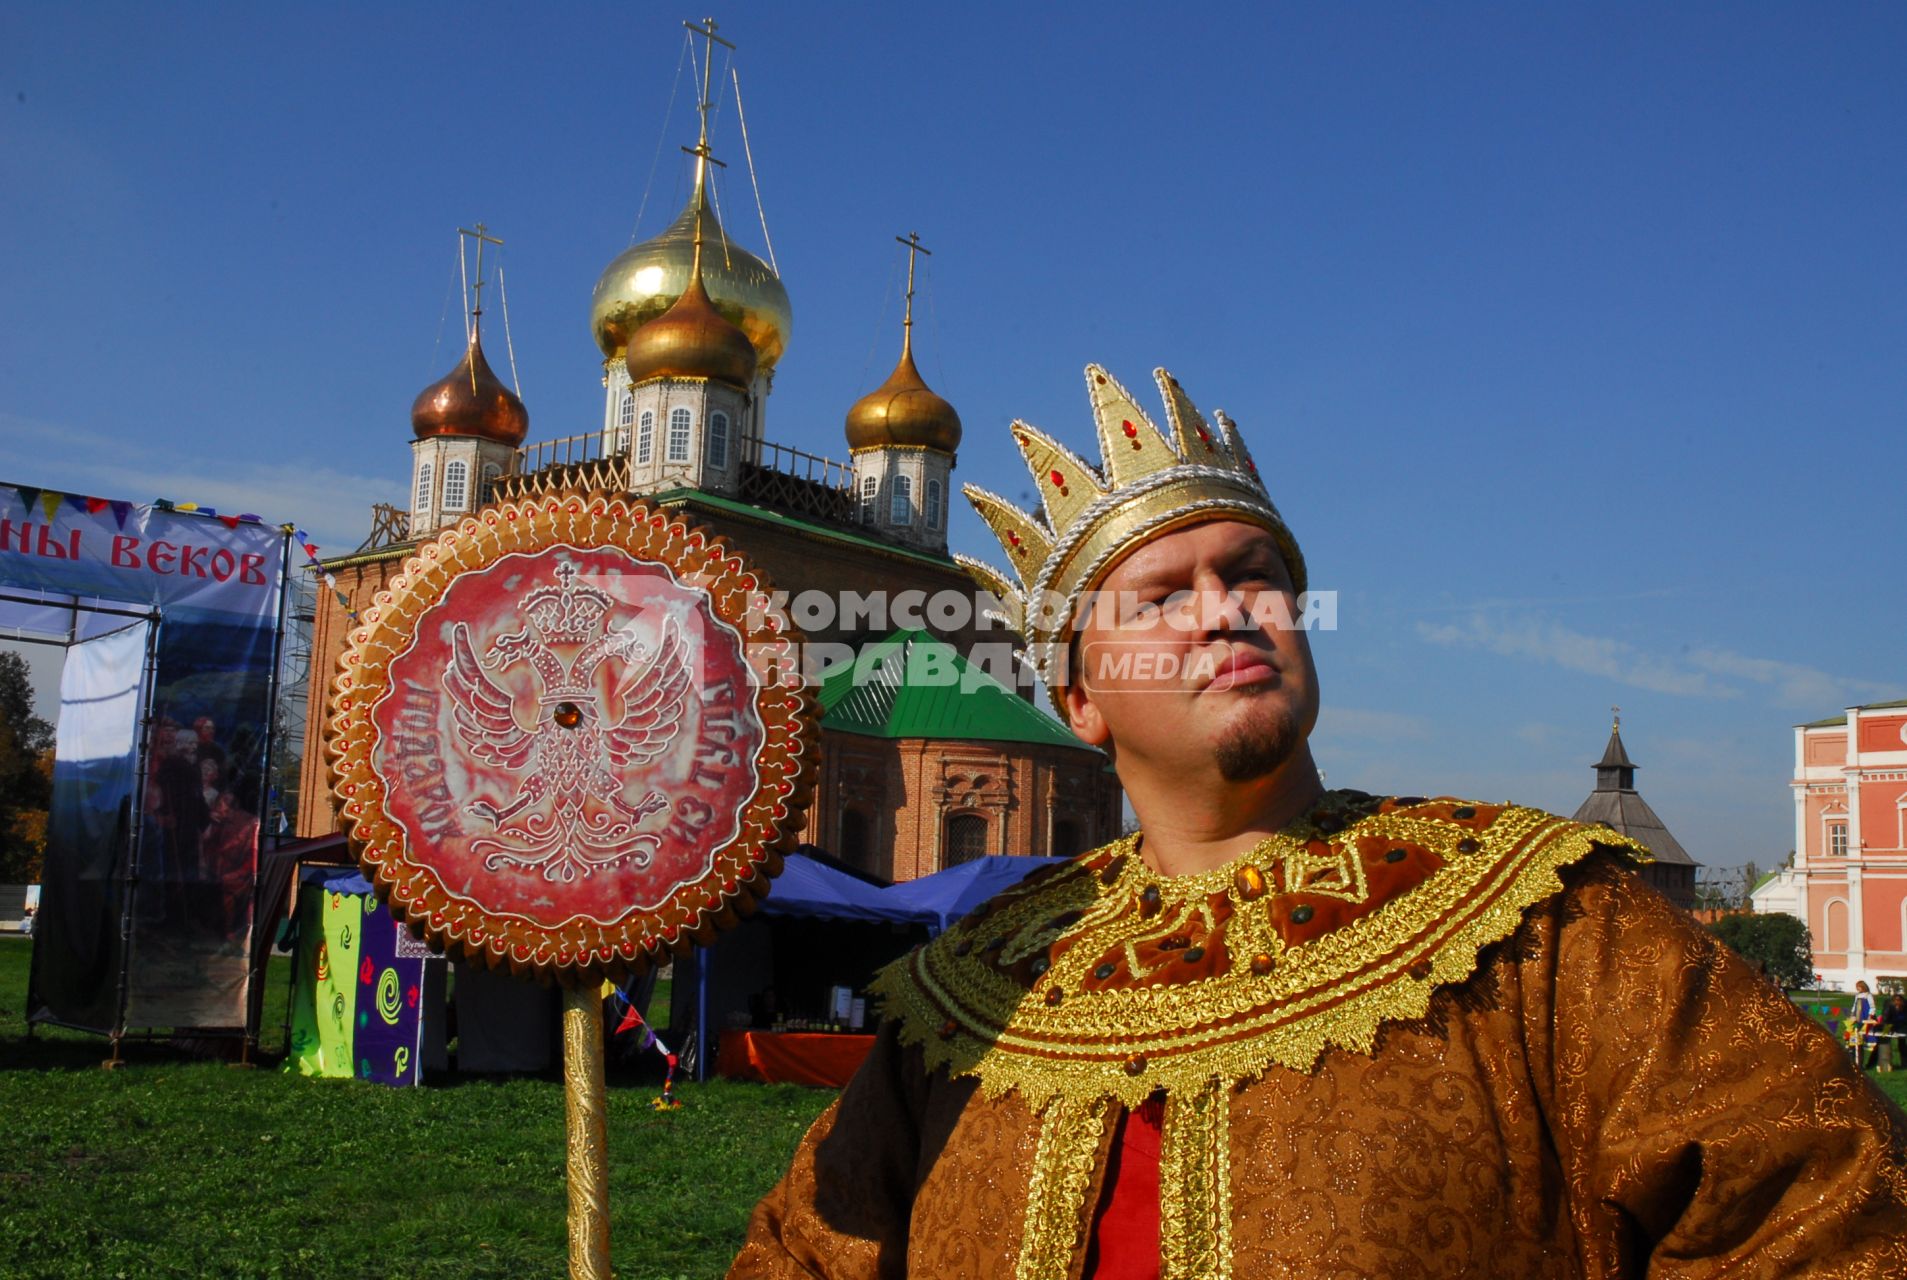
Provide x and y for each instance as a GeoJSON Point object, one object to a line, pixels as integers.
{"type": "Point", "coordinates": [1616, 712]}
{"type": "Point", "coordinates": [705, 104]}
{"type": "Point", "coordinates": [482, 236]}
{"type": "Point", "coordinates": [914, 249]}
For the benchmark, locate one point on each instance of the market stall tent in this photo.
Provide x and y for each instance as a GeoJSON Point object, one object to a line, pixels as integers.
{"type": "Point", "coordinates": [821, 927]}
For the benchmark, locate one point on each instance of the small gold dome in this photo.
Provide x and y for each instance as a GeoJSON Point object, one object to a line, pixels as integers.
{"type": "Point", "coordinates": [644, 281]}
{"type": "Point", "coordinates": [691, 340]}
{"type": "Point", "coordinates": [903, 411]}
{"type": "Point", "coordinates": [470, 401]}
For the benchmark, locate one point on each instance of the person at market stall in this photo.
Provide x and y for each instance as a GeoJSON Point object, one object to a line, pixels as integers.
{"type": "Point", "coordinates": [1863, 1026]}
{"type": "Point", "coordinates": [1894, 1029]}
{"type": "Point", "coordinates": [1285, 1031]}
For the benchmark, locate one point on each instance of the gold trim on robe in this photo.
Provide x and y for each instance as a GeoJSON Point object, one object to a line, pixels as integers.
{"type": "Point", "coordinates": [1102, 982]}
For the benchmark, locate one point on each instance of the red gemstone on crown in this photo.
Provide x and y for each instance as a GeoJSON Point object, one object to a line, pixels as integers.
{"type": "Point", "coordinates": [1131, 431]}
{"type": "Point", "coordinates": [1057, 479]}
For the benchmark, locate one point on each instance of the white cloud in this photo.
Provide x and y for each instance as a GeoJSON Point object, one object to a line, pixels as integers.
{"type": "Point", "coordinates": [1382, 726]}
{"type": "Point", "coordinates": [333, 505]}
{"type": "Point", "coordinates": [1551, 642]}
{"type": "Point", "coordinates": [1794, 685]}
{"type": "Point", "coordinates": [1702, 673]}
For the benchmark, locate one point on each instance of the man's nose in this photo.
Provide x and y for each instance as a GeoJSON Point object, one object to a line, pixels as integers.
{"type": "Point", "coordinates": [1220, 608]}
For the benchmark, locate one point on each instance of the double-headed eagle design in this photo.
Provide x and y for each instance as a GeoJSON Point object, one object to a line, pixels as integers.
{"type": "Point", "coordinates": [568, 817]}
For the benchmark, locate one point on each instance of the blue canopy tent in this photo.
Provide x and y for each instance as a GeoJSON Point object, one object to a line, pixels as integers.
{"type": "Point", "coordinates": [948, 895]}
{"type": "Point", "coordinates": [783, 948]}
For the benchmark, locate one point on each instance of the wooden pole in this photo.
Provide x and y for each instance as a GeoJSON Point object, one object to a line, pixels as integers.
{"type": "Point", "coordinates": [586, 1100]}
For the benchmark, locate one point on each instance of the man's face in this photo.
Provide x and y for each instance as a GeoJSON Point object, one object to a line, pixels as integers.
{"type": "Point", "coordinates": [1191, 656]}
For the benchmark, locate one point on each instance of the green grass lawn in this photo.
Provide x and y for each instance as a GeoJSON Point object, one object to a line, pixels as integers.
{"type": "Point", "coordinates": [175, 1167]}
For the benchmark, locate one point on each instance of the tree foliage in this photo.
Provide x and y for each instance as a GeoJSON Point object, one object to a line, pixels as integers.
{"type": "Point", "coordinates": [1776, 943]}
{"type": "Point", "coordinates": [26, 776]}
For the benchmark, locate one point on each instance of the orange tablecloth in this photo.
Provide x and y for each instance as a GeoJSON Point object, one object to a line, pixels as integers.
{"type": "Point", "coordinates": [821, 1058]}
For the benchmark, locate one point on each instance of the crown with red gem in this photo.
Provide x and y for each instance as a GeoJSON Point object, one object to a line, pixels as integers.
{"type": "Point", "coordinates": [566, 614]}
{"type": "Point", "coordinates": [1148, 483]}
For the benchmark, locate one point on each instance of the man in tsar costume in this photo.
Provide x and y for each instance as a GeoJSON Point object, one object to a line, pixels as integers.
{"type": "Point", "coordinates": [1284, 1031]}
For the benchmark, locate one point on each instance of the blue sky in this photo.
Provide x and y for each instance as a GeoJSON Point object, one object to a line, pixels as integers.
{"type": "Point", "coordinates": [1570, 338]}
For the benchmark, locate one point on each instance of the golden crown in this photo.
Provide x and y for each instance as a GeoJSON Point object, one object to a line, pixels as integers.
{"type": "Point", "coordinates": [1148, 483]}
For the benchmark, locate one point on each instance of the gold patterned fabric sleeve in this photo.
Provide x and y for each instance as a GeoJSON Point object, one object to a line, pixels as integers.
{"type": "Point", "coordinates": [842, 1210]}
{"type": "Point", "coordinates": [1705, 1126]}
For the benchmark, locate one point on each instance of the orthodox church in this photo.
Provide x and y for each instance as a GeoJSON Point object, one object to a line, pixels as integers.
{"type": "Point", "coordinates": [691, 328]}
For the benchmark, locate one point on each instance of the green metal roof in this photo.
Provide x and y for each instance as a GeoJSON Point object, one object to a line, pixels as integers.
{"type": "Point", "coordinates": [1834, 721]}
{"type": "Point", "coordinates": [685, 497]}
{"type": "Point", "coordinates": [912, 685]}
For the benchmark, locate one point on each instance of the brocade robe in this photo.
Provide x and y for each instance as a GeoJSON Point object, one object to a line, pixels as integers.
{"type": "Point", "coordinates": [1406, 1038]}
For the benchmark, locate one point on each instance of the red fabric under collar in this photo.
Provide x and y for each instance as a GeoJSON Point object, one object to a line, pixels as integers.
{"type": "Point", "coordinates": [1125, 1239]}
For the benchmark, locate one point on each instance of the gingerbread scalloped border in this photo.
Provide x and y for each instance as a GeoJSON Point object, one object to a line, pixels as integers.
{"type": "Point", "coordinates": [579, 951]}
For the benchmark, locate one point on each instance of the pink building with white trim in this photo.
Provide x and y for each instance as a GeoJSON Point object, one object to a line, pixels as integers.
{"type": "Point", "coordinates": [1850, 840]}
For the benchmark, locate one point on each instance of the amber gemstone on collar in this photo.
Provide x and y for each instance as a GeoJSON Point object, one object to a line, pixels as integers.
{"type": "Point", "coordinates": [1136, 1064]}
{"type": "Point", "coordinates": [1468, 845]}
{"type": "Point", "coordinates": [1261, 964]}
{"type": "Point", "coordinates": [1053, 996]}
{"type": "Point", "coordinates": [1250, 882]}
{"type": "Point", "coordinates": [1149, 900]}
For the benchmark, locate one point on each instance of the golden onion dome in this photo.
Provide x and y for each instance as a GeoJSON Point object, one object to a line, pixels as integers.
{"type": "Point", "coordinates": [692, 339]}
{"type": "Point", "coordinates": [645, 281]}
{"type": "Point", "coordinates": [903, 411]}
{"type": "Point", "coordinates": [470, 401]}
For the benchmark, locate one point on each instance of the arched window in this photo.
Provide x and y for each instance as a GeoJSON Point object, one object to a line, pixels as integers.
{"type": "Point", "coordinates": [626, 412]}
{"type": "Point", "coordinates": [424, 487]}
{"type": "Point", "coordinates": [869, 486]}
{"type": "Point", "coordinates": [854, 837]}
{"type": "Point", "coordinates": [646, 436]}
{"type": "Point", "coordinates": [903, 504]}
{"type": "Point", "coordinates": [1066, 841]}
{"type": "Point", "coordinates": [934, 512]}
{"type": "Point", "coordinates": [718, 441]}
{"type": "Point", "coordinates": [966, 839]}
{"type": "Point", "coordinates": [680, 420]}
{"type": "Point", "coordinates": [1834, 925]}
{"type": "Point", "coordinates": [456, 485]}
{"type": "Point", "coordinates": [491, 473]}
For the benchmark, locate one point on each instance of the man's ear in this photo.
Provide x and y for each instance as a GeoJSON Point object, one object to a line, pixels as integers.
{"type": "Point", "coordinates": [1083, 716]}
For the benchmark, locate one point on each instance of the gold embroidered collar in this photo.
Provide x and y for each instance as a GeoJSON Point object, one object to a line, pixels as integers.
{"type": "Point", "coordinates": [1101, 978]}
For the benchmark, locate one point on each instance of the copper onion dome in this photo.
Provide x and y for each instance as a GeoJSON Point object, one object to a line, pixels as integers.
{"type": "Point", "coordinates": [691, 340]}
{"type": "Point", "coordinates": [903, 411]}
{"type": "Point", "coordinates": [470, 401]}
{"type": "Point", "coordinates": [644, 281]}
